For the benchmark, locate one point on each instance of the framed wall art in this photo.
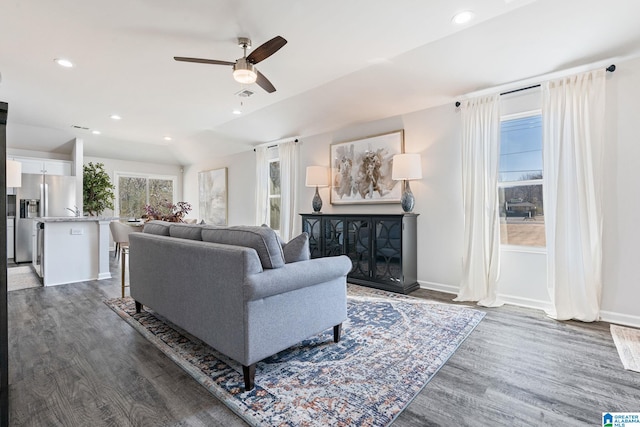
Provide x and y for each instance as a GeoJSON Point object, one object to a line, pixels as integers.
{"type": "Point", "coordinates": [212, 195]}
{"type": "Point", "coordinates": [361, 170]}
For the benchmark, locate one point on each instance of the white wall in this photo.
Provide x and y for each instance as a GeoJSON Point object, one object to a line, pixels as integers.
{"type": "Point", "coordinates": [621, 234]}
{"type": "Point", "coordinates": [241, 186]}
{"type": "Point", "coordinates": [435, 134]}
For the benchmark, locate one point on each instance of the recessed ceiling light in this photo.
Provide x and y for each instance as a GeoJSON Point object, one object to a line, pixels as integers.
{"type": "Point", "coordinates": [167, 138]}
{"type": "Point", "coordinates": [462, 17]}
{"type": "Point", "coordinates": [115, 117]}
{"type": "Point", "coordinates": [64, 62]}
{"type": "Point", "coordinates": [236, 111]}
{"type": "Point", "coordinates": [95, 132]}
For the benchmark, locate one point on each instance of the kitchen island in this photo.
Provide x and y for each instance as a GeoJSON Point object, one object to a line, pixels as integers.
{"type": "Point", "coordinates": [71, 249]}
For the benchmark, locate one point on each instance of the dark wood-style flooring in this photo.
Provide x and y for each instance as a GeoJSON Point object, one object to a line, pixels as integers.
{"type": "Point", "coordinates": [74, 362]}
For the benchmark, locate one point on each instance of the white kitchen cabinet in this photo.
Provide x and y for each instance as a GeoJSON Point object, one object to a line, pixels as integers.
{"type": "Point", "coordinates": [10, 237]}
{"type": "Point", "coordinates": [50, 167]}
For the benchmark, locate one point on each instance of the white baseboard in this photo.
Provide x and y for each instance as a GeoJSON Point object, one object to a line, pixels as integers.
{"type": "Point", "coordinates": [438, 287]}
{"type": "Point", "coordinates": [620, 319]}
{"type": "Point", "coordinates": [525, 302]}
{"type": "Point", "coordinates": [605, 316]}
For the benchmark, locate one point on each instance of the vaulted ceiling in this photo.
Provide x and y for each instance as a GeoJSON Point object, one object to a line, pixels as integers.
{"type": "Point", "coordinates": [345, 62]}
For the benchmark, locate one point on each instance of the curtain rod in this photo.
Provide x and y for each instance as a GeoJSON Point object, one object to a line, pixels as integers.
{"type": "Point", "coordinates": [275, 145]}
{"type": "Point", "coordinates": [611, 68]}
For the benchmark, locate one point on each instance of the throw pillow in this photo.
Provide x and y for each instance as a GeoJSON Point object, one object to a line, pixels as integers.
{"type": "Point", "coordinates": [297, 249]}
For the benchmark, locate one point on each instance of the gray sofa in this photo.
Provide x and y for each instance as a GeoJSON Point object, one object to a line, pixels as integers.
{"type": "Point", "coordinates": [233, 288]}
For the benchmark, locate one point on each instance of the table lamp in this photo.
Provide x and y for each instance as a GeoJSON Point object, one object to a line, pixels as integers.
{"type": "Point", "coordinates": [317, 176]}
{"type": "Point", "coordinates": [407, 167]}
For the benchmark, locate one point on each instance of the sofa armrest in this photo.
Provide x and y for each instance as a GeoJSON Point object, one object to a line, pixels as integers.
{"type": "Point", "coordinates": [294, 276]}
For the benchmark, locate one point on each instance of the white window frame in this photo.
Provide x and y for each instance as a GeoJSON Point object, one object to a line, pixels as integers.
{"type": "Point", "coordinates": [501, 184]}
{"type": "Point", "coordinates": [118, 174]}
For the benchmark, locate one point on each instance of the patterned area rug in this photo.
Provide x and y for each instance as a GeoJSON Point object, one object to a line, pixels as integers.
{"type": "Point", "coordinates": [627, 342]}
{"type": "Point", "coordinates": [391, 347]}
{"type": "Point", "coordinates": [22, 277]}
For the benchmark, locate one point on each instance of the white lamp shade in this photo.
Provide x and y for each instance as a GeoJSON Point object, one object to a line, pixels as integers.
{"type": "Point", "coordinates": [14, 173]}
{"type": "Point", "coordinates": [406, 166]}
{"type": "Point", "coordinates": [317, 176]}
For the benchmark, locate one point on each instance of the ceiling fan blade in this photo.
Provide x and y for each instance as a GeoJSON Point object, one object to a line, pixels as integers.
{"type": "Point", "coordinates": [266, 49]}
{"type": "Point", "coordinates": [264, 83]}
{"type": "Point", "coordinates": [203, 61]}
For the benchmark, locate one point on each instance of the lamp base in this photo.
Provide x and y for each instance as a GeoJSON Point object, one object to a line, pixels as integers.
{"type": "Point", "coordinates": [317, 202]}
{"type": "Point", "coordinates": [407, 201]}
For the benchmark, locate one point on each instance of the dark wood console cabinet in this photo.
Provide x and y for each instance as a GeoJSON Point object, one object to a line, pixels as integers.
{"type": "Point", "coordinates": [382, 248]}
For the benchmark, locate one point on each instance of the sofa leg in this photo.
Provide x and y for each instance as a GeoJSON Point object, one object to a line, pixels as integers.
{"type": "Point", "coordinates": [249, 373]}
{"type": "Point", "coordinates": [337, 330]}
{"type": "Point", "coordinates": [138, 307]}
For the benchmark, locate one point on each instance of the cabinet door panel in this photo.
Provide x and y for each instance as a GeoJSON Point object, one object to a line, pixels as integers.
{"type": "Point", "coordinates": [388, 250]}
{"type": "Point", "coordinates": [358, 244]}
{"type": "Point", "coordinates": [312, 226]}
{"type": "Point", "coordinates": [333, 236]}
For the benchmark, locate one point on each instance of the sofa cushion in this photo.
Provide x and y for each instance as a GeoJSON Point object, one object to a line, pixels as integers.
{"type": "Point", "coordinates": [186, 231]}
{"type": "Point", "coordinates": [297, 249]}
{"type": "Point", "coordinates": [264, 240]}
{"type": "Point", "coordinates": [161, 228]}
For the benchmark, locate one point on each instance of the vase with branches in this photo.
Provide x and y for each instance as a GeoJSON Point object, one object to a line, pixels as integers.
{"type": "Point", "coordinates": [167, 211]}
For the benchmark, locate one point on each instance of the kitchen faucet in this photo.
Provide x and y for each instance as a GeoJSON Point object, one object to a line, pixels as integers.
{"type": "Point", "coordinates": [75, 211]}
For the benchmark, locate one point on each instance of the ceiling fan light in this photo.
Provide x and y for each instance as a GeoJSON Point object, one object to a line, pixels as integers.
{"type": "Point", "coordinates": [245, 76]}
{"type": "Point", "coordinates": [244, 73]}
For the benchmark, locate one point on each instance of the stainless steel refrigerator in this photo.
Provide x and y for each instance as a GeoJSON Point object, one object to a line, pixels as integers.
{"type": "Point", "coordinates": [40, 195]}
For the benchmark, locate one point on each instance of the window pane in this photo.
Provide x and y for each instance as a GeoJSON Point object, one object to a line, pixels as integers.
{"type": "Point", "coordinates": [521, 149]}
{"type": "Point", "coordinates": [132, 196]}
{"type": "Point", "coordinates": [522, 216]}
{"type": "Point", "coordinates": [274, 213]}
{"type": "Point", "coordinates": [160, 190]}
{"type": "Point", "coordinates": [274, 178]}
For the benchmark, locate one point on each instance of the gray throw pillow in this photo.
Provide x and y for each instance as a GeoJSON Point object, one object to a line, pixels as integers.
{"type": "Point", "coordinates": [297, 249]}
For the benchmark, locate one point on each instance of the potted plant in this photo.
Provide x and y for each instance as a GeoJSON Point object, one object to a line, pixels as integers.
{"type": "Point", "coordinates": [97, 189]}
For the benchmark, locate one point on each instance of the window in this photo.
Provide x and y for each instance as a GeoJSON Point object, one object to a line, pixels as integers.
{"type": "Point", "coordinates": [274, 194]}
{"type": "Point", "coordinates": [520, 181]}
{"type": "Point", "coordinates": [134, 191]}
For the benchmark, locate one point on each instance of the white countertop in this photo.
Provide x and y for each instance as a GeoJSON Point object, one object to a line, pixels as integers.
{"type": "Point", "coordinates": [72, 218]}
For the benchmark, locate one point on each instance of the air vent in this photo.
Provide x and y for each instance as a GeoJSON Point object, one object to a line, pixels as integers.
{"type": "Point", "coordinates": [79, 127]}
{"type": "Point", "coordinates": [244, 93]}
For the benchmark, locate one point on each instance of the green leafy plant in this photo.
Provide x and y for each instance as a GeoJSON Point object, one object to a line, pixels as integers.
{"type": "Point", "coordinates": [97, 189]}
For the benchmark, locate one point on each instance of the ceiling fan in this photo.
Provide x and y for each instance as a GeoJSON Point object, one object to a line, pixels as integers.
{"type": "Point", "coordinates": [243, 69]}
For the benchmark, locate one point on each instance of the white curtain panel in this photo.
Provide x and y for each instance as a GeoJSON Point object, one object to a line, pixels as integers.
{"type": "Point", "coordinates": [262, 185]}
{"type": "Point", "coordinates": [288, 154]}
{"type": "Point", "coordinates": [573, 137]}
{"type": "Point", "coordinates": [480, 160]}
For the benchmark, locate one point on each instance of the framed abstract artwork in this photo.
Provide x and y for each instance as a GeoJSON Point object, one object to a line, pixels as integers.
{"type": "Point", "coordinates": [212, 195]}
{"type": "Point", "coordinates": [361, 170]}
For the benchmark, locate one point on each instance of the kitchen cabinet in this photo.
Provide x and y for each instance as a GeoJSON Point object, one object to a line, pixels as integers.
{"type": "Point", "coordinates": [47, 166]}
{"type": "Point", "coordinates": [382, 248]}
